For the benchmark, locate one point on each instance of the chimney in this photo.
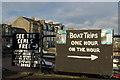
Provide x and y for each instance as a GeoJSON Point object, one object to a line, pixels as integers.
{"type": "Point", "coordinates": [42, 21]}
{"type": "Point", "coordinates": [33, 18]}
{"type": "Point", "coordinates": [50, 22]}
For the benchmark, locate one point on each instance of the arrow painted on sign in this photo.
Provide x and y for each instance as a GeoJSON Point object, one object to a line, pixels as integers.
{"type": "Point", "coordinates": [36, 46]}
{"type": "Point", "coordinates": [92, 57]}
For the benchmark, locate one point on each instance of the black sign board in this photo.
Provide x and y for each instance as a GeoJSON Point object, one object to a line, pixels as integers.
{"type": "Point", "coordinates": [25, 45]}
{"type": "Point", "coordinates": [85, 51]}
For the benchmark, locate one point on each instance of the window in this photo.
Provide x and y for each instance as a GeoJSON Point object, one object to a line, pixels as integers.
{"type": "Point", "coordinates": [49, 27]}
{"type": "Point", "coordinates": [44, 27]}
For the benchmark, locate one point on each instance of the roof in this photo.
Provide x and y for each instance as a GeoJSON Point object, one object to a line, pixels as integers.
{"type": "Point", "coordinates": [19, 30]}
{"type": "Point", "coordinates": [30, 20]}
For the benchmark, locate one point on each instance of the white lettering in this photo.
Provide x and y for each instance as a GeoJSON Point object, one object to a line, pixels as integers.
{"type": "Point", "coordinates": [93, 50]}
{"type": "Point", "coordinates": [19, 36]}
{"type": "Point", "coordinates": [20, 41]}
{"type": "Point", "coordinates": [80, 49]}
{"type": "Point", "coordinates": [71, 49]}
{"type": "Point", "coordinates": [91, 43]}
{"type": "Point", "coordinates": [76, 42]}
{"type": "Point", "coordinates": [72, 35]}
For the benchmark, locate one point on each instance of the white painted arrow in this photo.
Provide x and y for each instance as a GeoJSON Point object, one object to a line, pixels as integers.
{"type": "Point", "coordinates": [36, 46]}
{"type": "Point", "coordinates": [92, 57]}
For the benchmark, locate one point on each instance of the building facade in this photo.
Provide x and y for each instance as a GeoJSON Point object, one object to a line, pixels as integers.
{"type": "Point", "coordinates": [30, 25]}
{"type": "Point", "coordinates": [36, 26]}
{"type": "Point", "coordinates": [7, 34]}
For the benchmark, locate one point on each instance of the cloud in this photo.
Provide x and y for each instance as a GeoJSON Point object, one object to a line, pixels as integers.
{"type": "Point", "coordinates": [73, 14]}
{"type": "Point", "coordinates": [9, 20]}
{"type": "Point", "coordinates": [86, 9]}
{"type": "Point", "coordinates": [66, 12]}
{"type": "Point", "coordinates": [87, 22]}
{"type": "Point", "coordinates": [22, 9]}
{"type": "Point", "coordinates": [61, 1]}
{"type": "Point", "coordinates": [104, 23]}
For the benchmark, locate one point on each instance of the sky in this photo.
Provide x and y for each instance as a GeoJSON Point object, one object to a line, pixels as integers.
{"type": "Point", "coordinates": [78, 15]}
{"type": "Point", "coordinates": [60, 0]}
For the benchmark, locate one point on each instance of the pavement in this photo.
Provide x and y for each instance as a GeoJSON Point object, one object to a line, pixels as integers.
{"type": "Point", "coordinates": [10, 72]}
{"type": "Point", "coordinates": [41, 76]}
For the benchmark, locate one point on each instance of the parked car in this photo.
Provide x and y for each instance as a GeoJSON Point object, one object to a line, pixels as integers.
{"type": "Point", "coordinates": [9, 45]}
{"type": "Point", "coordinates": [7, 48]}
{"type": "Point", "coordinates": [46, 64]}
